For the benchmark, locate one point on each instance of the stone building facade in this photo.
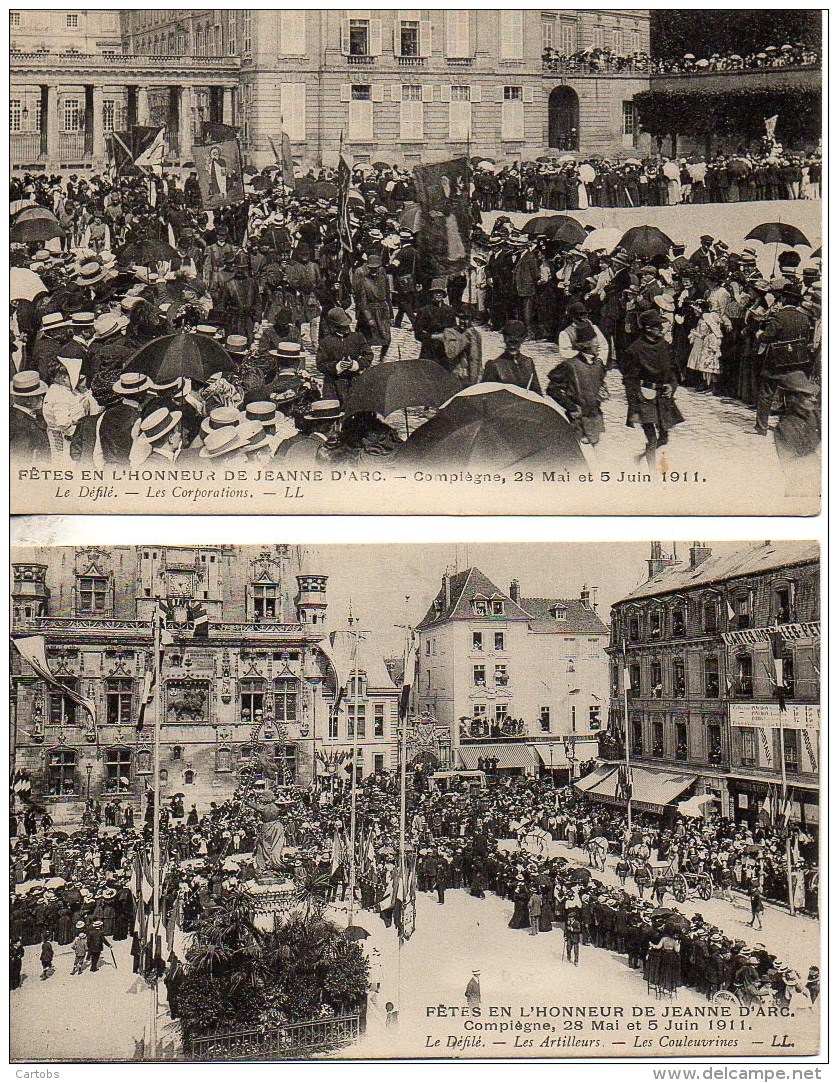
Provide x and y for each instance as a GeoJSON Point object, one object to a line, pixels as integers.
{"type": "Point", "coordinates": [700, 637]}
{"type": "Point", "coordinates": [255, 687]}
{"type": "Point", "coordinates": [518, 681]}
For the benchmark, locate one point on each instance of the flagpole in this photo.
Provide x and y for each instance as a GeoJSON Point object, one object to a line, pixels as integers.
{"type": "Point", "coordinates": [626, 740]}
{"type": "Point", "coordinates": [789, 885]}
{"type": "Point", "coordinates": [354, 788]}
{"type": "Point", "coordinates": [155, 829]}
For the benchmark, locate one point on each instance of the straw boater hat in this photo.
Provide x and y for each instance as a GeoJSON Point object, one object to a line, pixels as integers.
{"type": "Point", "coordinates": [132, 383]}
{"type": "Point", "coordinates": [288, 351]}
{"type": "Point", "coordinates": [224, 441]}
{"type": "Point", "coordinates": [254, 435]}
{"type": "Point", "coordinates": [109, 323]}
{"type": "Point", "coordinates": [236, 344]}
{"type": "Point", "coordinates": [91, 272]}
{"type": "Point", "coordinates": [159, 424]}
{"type": "Point", "coordinates": [222, 417]}
{"type": "Point", "coordinates": [53, 320]}
{"type": "Point", "coordinates": [28, 384]}
{"type": "Point", "coordinates": [324, 410]}
{"type": "Point", "coordinates": [263, 412]}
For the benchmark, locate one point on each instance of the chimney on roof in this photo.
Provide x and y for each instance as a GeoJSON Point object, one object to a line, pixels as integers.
{"type": "Point", "coordinates": [658, 561]}
{"type": "Point", "coordinates": [594, 591]}
{"type": "Point", "coordinates": [585, 596]}
{"type": "Point", "coordinates": [699, 553]}
{"type": "Point", "coordinates": [515, 591]}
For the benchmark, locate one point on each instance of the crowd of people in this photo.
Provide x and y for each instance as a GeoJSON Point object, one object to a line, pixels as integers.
{"type": "Point", "coordinates": [283, 327]}
{"type": "Point", "coordinates": [594, 61]}
{"type": "Point", "coordinates": [66, 888]}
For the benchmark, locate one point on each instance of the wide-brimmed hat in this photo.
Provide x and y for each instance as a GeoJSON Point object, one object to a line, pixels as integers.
{"type": "Point", "coordinates": [97, 924]}
{"type": "Point", "coordinates": [109, 323]}
{"type": "Point", "coordinates": [89, 273]}
{"type": "Point", "coordinates": [236, 344]}
{"type": "Point", "coordinates": [324, 410]}
{"type": "Point", "coordinates": [263, 412]}
{"type": "Point", "coordinates": [159, 423]}
{"type": "Point", "coordinates": [293, 350]}
{"type": "Point", "coordinates": [222, 417]}
{"type": "Point", "coordinates": [515, 330]}
{"type": "Point", "coordinates": [223, 441]}
{"type": "Point", "coordinates": [52, 320]}
{"type": "Point", "coordinates": [132, 383]}
{"type": "Point", "coordinates": [206, 329]}
{"type": "Point", "coordinates": [82, 319]}
{"type": "Point", "coordinates": [438, 285]}
{"type": "Point", "coordinates": [28, 384]}
{"type": "Point", "coordinates": [79, 924]}
{"type": "Point", "coordinates": [254, 436]}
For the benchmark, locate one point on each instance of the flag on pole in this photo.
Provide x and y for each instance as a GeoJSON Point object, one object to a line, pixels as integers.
{"type": "Point", "coordinates": [213, 132]}
{"type": "Point", "coordinates": [283, 156]}
{"type": "Point", "coordinates": [624, 782]}
{"type": "Point", "coordinates": [408, 675]}
{"type": "Point", "coordinates": [405, 911]}
{"type": "Point", "coordinates": [33, 650]}
{"type": "Point", "coordinates": [339, 850]}
{"type": "Point", "coordinates": [731, 612]}
{"type": "Point", "coordinates": [142, 146]}
{"type": "Point", "coordinates": [344, 181]}
{"type": "Point", "coordinates": [777, 649]}
{"type": "Point", "coordinates": [768, 809]}
{"type": "Point", "coordinates": [444, 237]}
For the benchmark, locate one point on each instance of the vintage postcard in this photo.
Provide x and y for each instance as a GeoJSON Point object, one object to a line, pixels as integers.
{"type": "Point", "coordinates": [510, 261]}
{"type": "Point", "coordinates": [415, 801]}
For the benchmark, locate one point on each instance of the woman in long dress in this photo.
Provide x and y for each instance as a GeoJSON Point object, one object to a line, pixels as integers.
{"type": "Point", "coordinates": [706, 353]}
{"type": "Point", "coordinates": [520, 917]}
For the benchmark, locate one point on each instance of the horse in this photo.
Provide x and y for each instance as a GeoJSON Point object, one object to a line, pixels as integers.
{"type": "Point", "coordinates": [597, 851]}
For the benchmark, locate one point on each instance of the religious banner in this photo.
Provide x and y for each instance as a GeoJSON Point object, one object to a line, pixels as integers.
{"type": "Point", "coordinates": [442, 192]}
{"type": "Point", "coordinates": [219, 174]}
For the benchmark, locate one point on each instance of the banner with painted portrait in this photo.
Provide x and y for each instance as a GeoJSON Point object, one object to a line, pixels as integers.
{"type": "Point", "coordinates": [219, 173]}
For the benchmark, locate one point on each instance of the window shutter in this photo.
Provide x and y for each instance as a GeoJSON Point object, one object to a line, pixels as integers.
{"type": "Point", "coordinates": [529, 97]}
{"type": "Point", "coordinates": [395, 92]}
{"type": "Point", "coordinates": [427, 92]}
{"type": "Point", "coordinates": [500, 98]}
{"type": "Point", "coordinates": [445, 93]}
{"type": "Point", "coordinates": [378, 92]}
{"type": "Point", "coordinates": [477, 93]}
{"type": "Point", "coordinates": [345, 92]}
{"type": "Point", "coordinates": [425, 37]}
{"type": "Point", "coordinates": [344, 38]}
{"type": "Point", "coordinates": [375, 37]}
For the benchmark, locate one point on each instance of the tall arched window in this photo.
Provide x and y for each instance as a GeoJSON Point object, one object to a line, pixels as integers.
{"type": "Point", "coordinates": [286, 699]}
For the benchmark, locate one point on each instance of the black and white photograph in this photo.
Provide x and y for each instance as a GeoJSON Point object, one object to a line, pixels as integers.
{"type": "Point", "coordinates": [415, 801]}
{"type": "Point", "coordinates": [507, 261]}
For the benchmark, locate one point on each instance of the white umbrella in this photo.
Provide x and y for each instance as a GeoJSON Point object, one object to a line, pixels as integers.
{"type": "Point", "coordinates": [490, 166]}
{"type": "Point", "coordinates": [671, 170]}
{"type": "Point", "coordinates": [24, 285]}
{"type": "Point", "coordinates": [55, 881]}
{"type": "Point", "coordinates": [605, 239]}
{"type": "Point", "coordinates": [567, 158]}
{"type": "Point", "coordinates": [689, 56]}
{"type": "Point", "coordinates": [586, 173]}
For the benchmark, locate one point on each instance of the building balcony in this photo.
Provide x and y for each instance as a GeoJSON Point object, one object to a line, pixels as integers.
{"type": "Point", "coordinates": [724, 82]}
{"type": "Point", "coordinates": [360, 61]}
{"type": "Point", "coordinates": [460, 61]}
{"type": "Point", "coordinates": [412, 61]}
{"type": "Point", "coordinates": [596, 68]}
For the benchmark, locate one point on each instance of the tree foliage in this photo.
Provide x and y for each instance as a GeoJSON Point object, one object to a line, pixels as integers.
{"type": "Point", "coordinates": [703, 32]}
{"type": "Point", "coordinates": [237, 978]}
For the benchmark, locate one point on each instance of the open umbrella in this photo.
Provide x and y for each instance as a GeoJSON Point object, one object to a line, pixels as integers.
{"type": "Point", "coordinates": [586, 173]}
{"type": "Point", "coordinates": [498, 425]}
{"type": "Point", "coordinates": [644, 242]}
{"type": "Point", "coordinates": [486, 164]}
{"type": "Point", "coordinates": [661, 912]}
{"type": "Point", "coordinates": [381, 165]}
{"type": "Point", "coordinates": [261, 184]}
{"type": "Point", "coordinates": [167, 358]}
{"type": "Point", "coordinates": [677, 923]}
{"type": "Point", "coordinates": [24, 285]}
{"type": "Point", "coordinates": [702, 63]}
{"type": "Point", "coordinates": [18, 205]}
{"type": "Point", "coordinates": [54, 882]}
{"type": "Point", "coordinates": [411, 217]}
{"type": "Point", "coordinates": [565, 158]}
{"type": "Point", "coordinates": [564, 230]}
{"type": "Point", "coordinates": [146, 252]}
{"type": "Point", "coordinates": [36, 230]}
{"type": "Point", "coordinates": [354, 933]}
{"type": "Point", "coordinates": [325, 190]}
{"type": "Point", "coordinates": [778, 233]}
{"type": "Point", "coordinates": [604, 239]}
{"type": "Point", "coordinates": [817, 253]}
{"type": "Point", "coordinates": [396, 385]}
{"type": "Point", "coordinates": [536, 225]}
{"type": "Point", "coordinates": [738, 167]}
{"type": "Point", "coordinates": [30, 213]}
{"type": "Point", "coordinates": [579, 876]}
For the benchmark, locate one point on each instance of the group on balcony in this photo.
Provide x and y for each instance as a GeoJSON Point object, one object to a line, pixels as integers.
{"type": "Point", "coordinates": [471, 728]}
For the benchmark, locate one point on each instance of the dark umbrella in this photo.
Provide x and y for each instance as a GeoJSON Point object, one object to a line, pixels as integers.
{"type": "Point", "coordinates": [29, 214]}
{"type": "Point", "coordinates": [146, 252]}
{"type": "Point", "coordinates": [355, 932]}
{"type": "Point", "coordinates": [380, 165]}
{"type": "Point", "coordinates": [536, 225]}
{"type": "Point", "coordinates": [396, 385]}
{"type": "Point", "coordinates": [677, 923]}
{"type": "Point", "coordinates": [325, 190]}
{"type": "Point", "coordinates": [305, 186]}
{"type": "Point", "coordinates": [778, 233]}
{"type": "Point", "coordinates": [564, 230]}
{"type": "Point", "coordinates": [35, 230]}
{"type": "Point", "coordinates": [662, 912]}
{"type": "Point", "coordinates": [183, 355]}
{"type": "Point", "coordinates": [260, 184]}
{"type": "Point", "coordinates": [644, 242]}
{"type": "Point", "coordinates": [817, 253]}
{"type": "Point", "coordinates": [498, 425]}
{"type": "Point", "coordinates": [738, 167]}
{"type": "Point", "coordinates": [579, 876]}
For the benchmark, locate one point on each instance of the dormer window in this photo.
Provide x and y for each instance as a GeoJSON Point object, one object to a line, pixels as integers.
{"type": "Point", "coordinates": [783, 603]}
{"type": "Point", "coordinates": [655, 624]}
{"type": "Point", "coordinates": [710, 615]}
{"type": "Point", "coordinates": [93, 593]}
{"type": "Point", "coordinates": [741, 612]}
{"type": "Point", "coordinates": [634, 629]}
{"type": "Point", "coordinates": [265, 601]}
{"type": "Point", "coordinates": [559, 612]}
{"type": "Point", "coordinates": [480, 607]}
{"type": "Point", "coordinates": [497, 608]}
{"type": "Point", "coordinates": [679, 624]}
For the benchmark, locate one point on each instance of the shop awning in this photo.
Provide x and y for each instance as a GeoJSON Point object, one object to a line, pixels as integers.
{"type": "Point", "coordinates": [520, 756]}
{"type": "Point", "coordinates": [650, 789]}
{"type": "Point", "coordinates": [553, 756]}
{"type": "Point", "coordinates": [599, 774]}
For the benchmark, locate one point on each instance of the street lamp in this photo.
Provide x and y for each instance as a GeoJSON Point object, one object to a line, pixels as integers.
{"type": "Point", "coordinates": [89, 769]}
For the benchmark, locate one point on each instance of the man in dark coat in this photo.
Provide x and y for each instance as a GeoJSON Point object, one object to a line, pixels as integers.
{"type": "Point", "coordinates": [117, 422]}
{"type": "Point", "coordinates": [513, 367]}
{"type": "Point", "coordinates": [28, 440]}
{"type": "Point", "coordinates": [96, 941]}
{"type": "Point", "coordinates": [649, 379]}
{"type": "Point", "coordinates": [341, 354]}
{"type": "Point", "coordinates": [432, 320]}
{"type": "Point", "coordinates": [785, 335]}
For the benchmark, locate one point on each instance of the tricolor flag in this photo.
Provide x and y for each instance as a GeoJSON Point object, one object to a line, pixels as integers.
{"type": "Point", "coordinates": [409, 673]}
{"type": "Point", "coordinates": [624, 782]}
{"type": "Point", "coordinates": [33, 650]}
{"type": "Point", "coordinates": [344, 229]}
{"type": "Point", "coordinates": [199, 619]}
{"type": "Point", "coordinates": [777, 648]}
{"type": "Point", "coordinates": [141, 146]}
{"type": "Point", "coordinates": [340, 850]}
{"type": "Point", "coordinates": [283, 157]}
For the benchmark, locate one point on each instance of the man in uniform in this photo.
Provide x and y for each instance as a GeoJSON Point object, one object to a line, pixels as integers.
{"type": "Point", "coordinates": [785, 335]}
{"type": "Point", "coordinates": [513, 367]}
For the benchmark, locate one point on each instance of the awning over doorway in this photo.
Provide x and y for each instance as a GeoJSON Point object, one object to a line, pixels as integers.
{"type": "Point", "coordinates": [599, 774]}
{"type": "Point", "coordinates": [651, 789]}
{"type": "Point", "coordinates": [520, 756]}
{"type": "Point", "coordinates": [553, 756]}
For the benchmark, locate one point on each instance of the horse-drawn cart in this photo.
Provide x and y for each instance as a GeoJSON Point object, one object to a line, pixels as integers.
{"type": "Point", "coordinates": [663, 876]}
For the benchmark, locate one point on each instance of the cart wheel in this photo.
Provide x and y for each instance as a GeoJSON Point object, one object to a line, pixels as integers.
{"type": "Point", "coordinates": [679, 888]}
{"type": "Point", "coordinates": [705, 888]}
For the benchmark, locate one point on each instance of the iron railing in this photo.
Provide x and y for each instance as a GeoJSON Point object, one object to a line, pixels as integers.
{"type": "Point", "coordinates": [277, 1043]}
{"type": "Point", "coordinates": [24, 147]}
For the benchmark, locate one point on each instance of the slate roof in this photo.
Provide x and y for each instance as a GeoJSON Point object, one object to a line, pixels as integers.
{"type": "Point", "coordinates": [749, 560]}
{"type": "Point", "coordinates": [472, 583]}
